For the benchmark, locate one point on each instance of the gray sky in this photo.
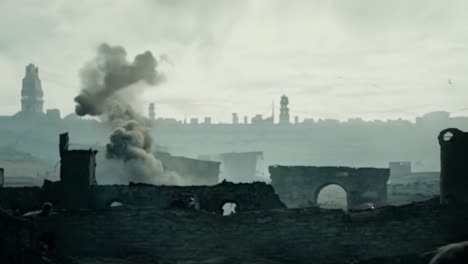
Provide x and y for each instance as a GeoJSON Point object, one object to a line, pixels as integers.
{"type": "Point", "coordinates": [334, 59]}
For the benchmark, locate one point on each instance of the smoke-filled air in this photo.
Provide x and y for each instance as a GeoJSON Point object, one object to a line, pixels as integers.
{"type": "Point", "coordinates": [103, 80]}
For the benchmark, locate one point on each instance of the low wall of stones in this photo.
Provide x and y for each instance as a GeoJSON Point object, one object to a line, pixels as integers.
{"type": "Point", "coordinates": [27, 198]}
{"type": "Point", "coordinates": [253, 196]}
{"type": "Point", "coordinates": [283, 235]}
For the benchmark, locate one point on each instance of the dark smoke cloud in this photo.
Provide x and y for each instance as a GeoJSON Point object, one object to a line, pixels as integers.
{"type": "Point", "coordinates": [131, 141]}
{"type": "Point", "coordinates": [109, 73]}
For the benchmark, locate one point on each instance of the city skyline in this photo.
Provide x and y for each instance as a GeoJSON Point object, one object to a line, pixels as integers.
{"type": "Point", "coordinates": [333, 60]}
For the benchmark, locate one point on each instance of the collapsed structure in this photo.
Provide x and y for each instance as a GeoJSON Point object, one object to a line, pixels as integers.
{"type": "Point", "coordinates": [77, 174]}
{"type": "Point", "coordinates": [262, 229]}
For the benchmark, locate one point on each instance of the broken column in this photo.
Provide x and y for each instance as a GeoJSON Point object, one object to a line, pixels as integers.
{"type": "Point", "coordinates": [454, 166]}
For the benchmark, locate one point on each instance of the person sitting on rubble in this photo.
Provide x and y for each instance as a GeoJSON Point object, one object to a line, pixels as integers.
{"type": "Point", "coordinates": [45, 211]}
{"type": "Point", "coordinates": [191, 203]}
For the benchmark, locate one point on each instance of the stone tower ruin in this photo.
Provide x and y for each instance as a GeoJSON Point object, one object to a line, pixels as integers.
{"type": "Point", "coordinates": [31, 93]}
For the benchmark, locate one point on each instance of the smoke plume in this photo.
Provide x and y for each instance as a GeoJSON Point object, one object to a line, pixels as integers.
{"type": "Point", "coordinates": [103, 79]}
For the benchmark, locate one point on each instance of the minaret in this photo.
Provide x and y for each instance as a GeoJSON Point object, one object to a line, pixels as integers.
{"type": "Point", "coordinates": [273, 111]}
{"type": "Point", "coordinates": [31, 94]}
{"type": "Point", "coordinates": [235, 119]}
{"type": "Point", "coordinates": [151, 112]}
{"type": "Point", "coordinates": [284, 110]}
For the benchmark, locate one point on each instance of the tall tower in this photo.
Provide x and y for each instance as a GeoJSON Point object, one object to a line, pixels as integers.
{"type": "Point", "coordinates": [151, 112]}
{"type": "Point", "coordinates": [31, 93]}
{"type": "Point", "coordinates": [273, 112]}
{"type": "Point", "coordinates": [284, 110]}
{"type": "Point", "coordinates": [235, 119]}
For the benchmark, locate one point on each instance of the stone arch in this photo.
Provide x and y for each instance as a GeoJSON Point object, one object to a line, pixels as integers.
{"type": "Point", "coordinates": [294, 184]}
{"type": "Point", "coordinates": [325, 185]}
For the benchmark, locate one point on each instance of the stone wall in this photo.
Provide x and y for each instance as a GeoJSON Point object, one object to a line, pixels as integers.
{"type": "Point", "coordinates": [286, 236]}
{"type": "Point", "coordinates": [28, 198]}
{"type": "Point", "coordinates": [299, 186]}
{"type": "Point", "coordinates": [193, 171]}
{"type": "Point", "coordinates": [255, 196]}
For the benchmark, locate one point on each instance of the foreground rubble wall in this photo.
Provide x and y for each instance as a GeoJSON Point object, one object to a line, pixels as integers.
{"type": "Point", "coordinates": [294, 235]}
{"type": "Point", "coordinates": [253, 196]}
{"type": "Point", "coordinates": [27, 198]}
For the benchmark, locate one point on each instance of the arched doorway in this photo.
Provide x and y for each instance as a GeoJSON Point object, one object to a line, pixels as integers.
{"type": "Point", "coordinates": [332, 196]}
{"type": "Point", "coordinates": [229, 208]}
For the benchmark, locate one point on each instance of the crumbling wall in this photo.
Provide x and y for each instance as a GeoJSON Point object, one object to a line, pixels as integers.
{"type": "Point", "coordinates": [196, 172]}
{"type": "Point", "coordinates": [27, 198]}
{"type": "Point", "coordinates": [255, 196]}
{"type": "Point", "coordinates": [299, 186]}
{"type": "Point", "coordinates": [294, 236]}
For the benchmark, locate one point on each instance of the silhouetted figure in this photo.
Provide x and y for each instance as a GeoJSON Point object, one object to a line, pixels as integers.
{"type": "Point", "coordinates": [46, 209]}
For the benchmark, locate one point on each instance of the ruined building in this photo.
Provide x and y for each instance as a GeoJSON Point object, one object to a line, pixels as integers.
{"type": "Point", "coordinates": [77, 174]}
{"type": "Point", "coordinates": [194, 171]}
{"type": "Point", "coordinates": [235, 119]}
{"type": "Point", "coordinates": [454, 166]}
{"type": "Point", "coordinates": [299, 186]}
{"type": "Point", "coordinates": [284, 110]}
{"type": "Point", "coordinates": [31, 93]}
{"type": "Point", "coordinates": [262, 230]}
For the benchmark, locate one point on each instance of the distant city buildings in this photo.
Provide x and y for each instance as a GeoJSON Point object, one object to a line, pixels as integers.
{"type": "Point", "coordinates": [207, 121]}
{"type": "Point", "coordinates": [235, 119]}
{"type": "Point", "coordinates": [32, 105]}
{"type": "Point", "coordinates": [53, 114]}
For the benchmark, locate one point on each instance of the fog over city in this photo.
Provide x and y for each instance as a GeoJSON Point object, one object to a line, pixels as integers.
{"type": "Point", "coordinates": [334, 59]}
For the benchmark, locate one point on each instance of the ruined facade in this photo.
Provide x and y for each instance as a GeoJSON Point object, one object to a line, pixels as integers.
{"type": "Point", "coordinates": [399, 169]}
{"type": "Point", "coordinates": [299, 186]}
{"type": "Point", "coordinates": [240, 166]}
{"type": "Point", "coordinates": [194, 171]}
{"type": "Point", "coordinates": [31, 94]}
{"type": "Point", "coordinates": [454, 166]}
{"type": "Point", "coordinates": [77, 174]}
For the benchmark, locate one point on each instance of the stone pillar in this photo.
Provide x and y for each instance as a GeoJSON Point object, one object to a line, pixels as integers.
{"type": "Point", "coordinates": [454, 166]}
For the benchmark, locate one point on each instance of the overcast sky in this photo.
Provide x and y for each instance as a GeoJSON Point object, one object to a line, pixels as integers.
{"type": "Point", "coordinates": [334, 59]}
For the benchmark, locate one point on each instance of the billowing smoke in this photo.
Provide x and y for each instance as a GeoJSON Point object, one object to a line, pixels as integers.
{"type": "Point", "coordinates": [109, 73]}
{"type": "Point", "coordinates": [103, 80]}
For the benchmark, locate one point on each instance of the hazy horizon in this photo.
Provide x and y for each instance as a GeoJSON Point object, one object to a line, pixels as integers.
{"type": "Point", "coordinates": [334, 59]}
